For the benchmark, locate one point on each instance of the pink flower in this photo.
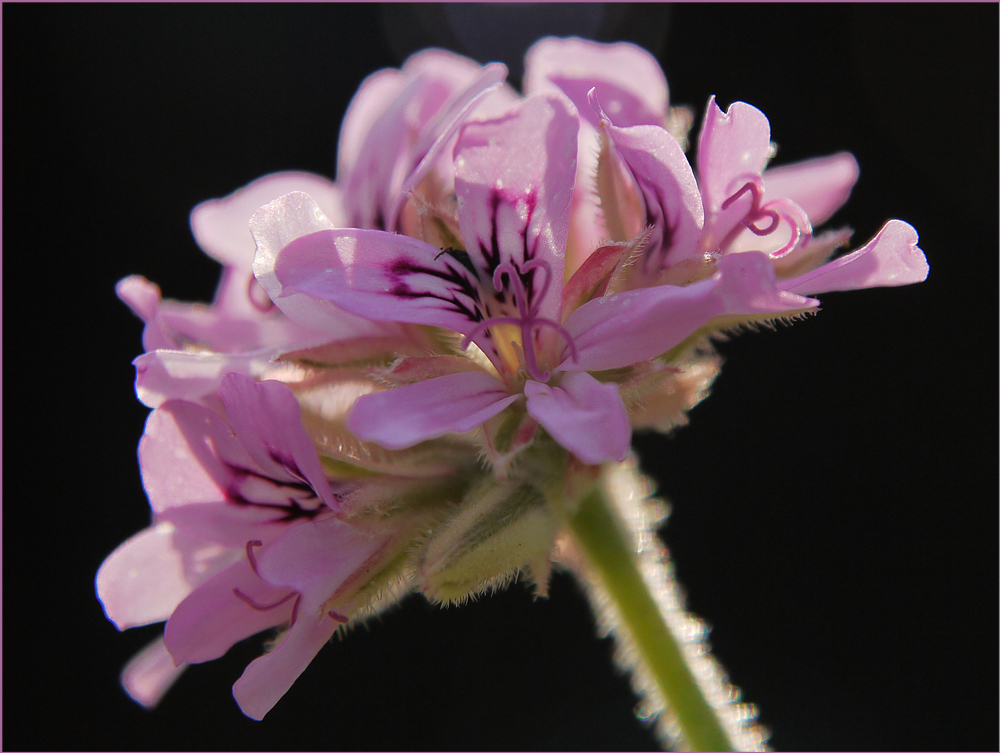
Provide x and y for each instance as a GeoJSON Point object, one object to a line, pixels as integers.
{"type": "Point", "coordinates": [514, 178]}
{"type": "Point", "coordinates": [738, 206]}
{"type": "Point", "coordinates": [245, 537]}
{"type": "Point", "coordinates": [407, 373]}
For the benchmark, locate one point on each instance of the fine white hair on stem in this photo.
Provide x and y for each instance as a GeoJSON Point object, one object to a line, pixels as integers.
{"type": "Point", "coordinates": [629, 493]}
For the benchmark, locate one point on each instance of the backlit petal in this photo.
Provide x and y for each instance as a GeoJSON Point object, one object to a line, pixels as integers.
{"type": "Point", "coordinates": [514, 178]}
{"type": "Point", "coordinates": [404, 416]}
{"type": "Point", "coordinates": [149, 674]}
{"type": "Point", "coordinates": [213, 618]}
{"type": "Point", "coordinates": [145, 578]}
{"type": "Point", "coordinates": [269, 677]}
{"type": "Point", "coordinates": [633, 326]}
{"type": "Point", "coordinates": [584, 416]}
{"type": "Point", "coordinates": [820, 185]}
{"type": "Point", "coordinates": [889, 259]}
{"type": "Point", "coordinates": [383, 276]}
{"type": "Point", "coordinates": [267, 419]}
{"type": "Point", "coordinates": [733, 149]}
{"type": "Point", "coordinates": [629, 81]}
{"type": "Point", "coordinates": [222, 226]}
{"type": "Point", "coordinates": [278, 224]}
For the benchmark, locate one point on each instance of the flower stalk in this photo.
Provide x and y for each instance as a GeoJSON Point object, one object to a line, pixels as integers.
{"type": "Point", "coordinates": [628, 576]}
{"type": "Point", "coordinates": [606, 546]}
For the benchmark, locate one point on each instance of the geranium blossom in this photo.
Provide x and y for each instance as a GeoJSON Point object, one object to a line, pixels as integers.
{"type": "Point", "coordinates": [503, 292]}
{"type": "Point", "coordinates": [417, 376]}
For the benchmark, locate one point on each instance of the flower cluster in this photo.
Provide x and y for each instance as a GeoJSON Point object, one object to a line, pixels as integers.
{"type": "Point", "coordinates": [410, 376]}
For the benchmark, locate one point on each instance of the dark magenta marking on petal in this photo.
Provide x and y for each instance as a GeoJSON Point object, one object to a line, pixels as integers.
{"type": "Point", "coordinates": [295, 609]}
{"type": "Point", "coordinates": [337, 616]}
{"type": "Point", "coordinates": [293, 511]}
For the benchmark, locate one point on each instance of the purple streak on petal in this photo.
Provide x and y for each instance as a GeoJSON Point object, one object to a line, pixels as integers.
{"type": "Point", "coordinates": [199, 477]}
{"type": "Point", "coordinates": [820, 185]}
{"type": "Point", "coordinates": [889, 259]}
{"type": "Point", "coordinates": [267, 419]}
{"type": "Point", "coordinates": [222, 612]}
{"type": "Point", "coordinates": [269, 677]}
{"type": "Point", "coordinates": [625, 328]}
{"type": "Point", "coordinates": [149, 674]}
{"type": "Point", "coordinates": [584, 416]}
{"type": "Point", "coordinates": [514, 179]}
{"type": "Point", "coordinates": [383, 276]}
{"type": "Point", "coordinates": [669, 190]}
{"type": "Point", "coordinates": [397, 138]}
{"type": "Point", "coordinates": [405, 416]}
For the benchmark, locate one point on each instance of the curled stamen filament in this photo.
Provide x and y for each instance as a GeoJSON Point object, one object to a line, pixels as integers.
{"type": "Point", "coordinates": [262, 607]}
{"type": "Point", "coordinates": [794, 216]}
{"type": "Point", "coordinates": [527, 318]}
{"type": "Point", "coordinates": [250, 555]}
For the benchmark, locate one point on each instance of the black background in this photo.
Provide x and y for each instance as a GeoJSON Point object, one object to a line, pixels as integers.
{"type": "Point", "coordinates": [834, 507]}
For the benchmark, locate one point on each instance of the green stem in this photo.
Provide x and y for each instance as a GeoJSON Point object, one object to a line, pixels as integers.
{"type": "Point", "coordinates": [600, 535]}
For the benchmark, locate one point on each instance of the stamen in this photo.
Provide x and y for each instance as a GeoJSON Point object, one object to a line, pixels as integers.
{"type": "Point", "coordinates": [250, 555]}
{"type": "Point", "coordinates": [770, 213]}
{"type": "Point", "coordinates": [261, 607]}
{"type": "Point", "coordinates": [527, 308]}
{"type": "Point", "coordinates": [754, 190]}
{"type": "Point", "coordinates": [485, 325]}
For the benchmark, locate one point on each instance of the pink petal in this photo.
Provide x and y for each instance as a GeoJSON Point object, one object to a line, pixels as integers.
{"type": "Point", "coordinates": [432, 80]}
{"type": "Point", "coordinates": [267, 419]}
{"type": "Point", "coordinates": [514, 179]}
{"type": "Point", "coordinates": [372, 99]}
{"type": "Point", "coordinates": [149, 674]}
{"type": "Point", "coordinates": [167, 374]}
{"type": "Point", "coordinates": [222, 226]}
{"type": "Point", "coordinates": [732, 150]}
{"type": "Point", "coordinates": [315, 558]}
{"type": "Point", "coordinates": [140, 295]}
{"type": "Point", "coordinates": [820, 185]}
{"type": "Point", "coordinates": [669, 191]}
{"type": "Point", "coordinates": [145, 578]}
{"type": "Point", "coordinates": [889, 259]}
{"type": "Point", "coordinates": [404, 416]}
{"type": "Point", "coordinates": [269, 677]}
{"type": "Point", "coordinates": [212, 619]}
{"type": "Point", "coordinates": [625, 328]}
{"type": "Point", "coordinates": [183, 454]}
{"type": "Point", "coordinates": [383, 276]}
{"type": "Point", "coordinates": [628, 79]}
{"type": "Point", "coordinates": [199, 477]}
{"type": "Point", "coordinates": [440, 132]}
{"type": "Point", "coordinates": [275, 226]}
{"type": "Point", "coordinates": [584, 416]}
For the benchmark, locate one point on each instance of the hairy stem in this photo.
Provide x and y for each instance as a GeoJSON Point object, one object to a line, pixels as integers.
{"type": "Point", "coordinates": [611, 553]}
